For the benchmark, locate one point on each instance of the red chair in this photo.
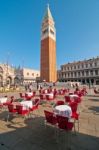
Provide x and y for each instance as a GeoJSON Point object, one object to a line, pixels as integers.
{"type": "Point", "coordinates": [48, 97]}
{"type": "Point", "coordinates": [42, 97]}
{"type": "Point", "coordinates": [35, 105]}
{"type": "Point", "coordinates": [21, 95]}
{"type": "Point", "coordinates": [84, 91]}
{"type": "Point", "coordinates": [22, 111]}
{"type": "Point", "coordinates": [61, 92]}
{"type": "Point", "coordinates": [8, 102]}
{"type": "Point", "coordinates": [67, 99]}
{"type": "Point", "coordinates": [34, 93]}
{"type": "Point", "coordinates": [11, 110]}
{"type": "Point", "coordinates": [75, 115]}
{"type": "Point", "coordinates": [55, 93]}
{"type": "Point", "coordinates": [40, 91]}
{"type": "Point", "coordinates": [60, 102]}
{"type": "Point", "coordinates": [96, 92]}
{"type": "Point", "coordinates": [1, 106]}
{"type": "Point", "coordinates": [27, 97]}
{"type": "Point", "coordinates": [80, 94]}
{"type": "Point", "coordinates": [73, 105]}
{"type": "Point", "coordinates": [77, 99]}
{"type": "Point", "coordinates": [65, 125]}
{"type": "Point", "coordinates": [37, 100]}
{"type": "Point", "coordinates": [50, 118]}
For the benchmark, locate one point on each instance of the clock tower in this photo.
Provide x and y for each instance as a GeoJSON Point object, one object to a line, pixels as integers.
{"type": "Point", "coordinates": [48, 48]}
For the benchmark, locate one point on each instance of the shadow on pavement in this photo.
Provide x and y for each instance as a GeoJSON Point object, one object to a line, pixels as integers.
{"type": "Point", "coordinates": [31, 134]}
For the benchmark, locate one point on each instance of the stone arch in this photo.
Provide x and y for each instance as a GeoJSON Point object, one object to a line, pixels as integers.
{"type": "Point", "coordinates": [9, 80]}
{"type": "Point", "coordinates": [1, 80]}
{"type": "Point", "coordinates": [17, 80]}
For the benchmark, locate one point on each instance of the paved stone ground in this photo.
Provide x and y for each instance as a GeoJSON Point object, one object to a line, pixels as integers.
{"type": "Point", "coordinates": [31, 134]}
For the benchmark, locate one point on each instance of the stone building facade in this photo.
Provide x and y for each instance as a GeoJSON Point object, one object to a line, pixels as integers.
{"type": "Point", "coordinates": [86, 72]}
{"type": "Point", "coordinates": [10, 75]}
{"type": "Point", "coordinates": [30, 75]}
{"type": "Point", "coordinates": [7, 74]}
{"type": "Point", "coordinates": [48, 69]}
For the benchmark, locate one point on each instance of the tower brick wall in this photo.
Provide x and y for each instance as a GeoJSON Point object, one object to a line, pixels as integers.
{"type": "Point", "coordinates": [48, 60]}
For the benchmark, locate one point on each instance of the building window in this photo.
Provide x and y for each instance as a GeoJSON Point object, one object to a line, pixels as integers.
{"type": "Point", "coordinates": [37, 74]}
{"type": "Point", "coordinates": [82, 66]}
{"type": "Point", "coordinates": [95, 64]}
{"type": "Point", "coordinates": [75, 74]}
{"type": "Point", "coordinates": [71, 74]}
{"type": "Point", "coordinates": [62, 75]}
{"type": "Point", "coordinates": [87, 73]}
{"type": "Point", "coordinates": [78, 73]}
{"type": "Point", "coordinates": [96, 72]}
{"type": "Point", "coordinates": [91, 73]}
{"type": "Point", "coordinates": [74, 67]}
{"type": "Point", "coordinates": [27, 73]}
{"type": "Point", "coordinates": [78, 67]}
{"type": "Point", "coordinates": [62, 68]}
{"type": "Point", "coordinates": [86, 65]}
{"type": "Point", "coordinates": [82, 73]}
{"type": "Point", "coordinates": [90, 64]}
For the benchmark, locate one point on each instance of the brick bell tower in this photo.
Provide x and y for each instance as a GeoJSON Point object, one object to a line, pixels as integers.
{"type": "Point", "coordinates": [48, 49]}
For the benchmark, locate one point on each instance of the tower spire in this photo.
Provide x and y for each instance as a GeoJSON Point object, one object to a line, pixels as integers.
{"type": "Point", "coordinates": [48, 13]}
{"type": "Point", "coordinates": [48, 5]}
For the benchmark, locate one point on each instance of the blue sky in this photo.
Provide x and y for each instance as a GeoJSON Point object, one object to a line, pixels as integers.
{"type": "Point", "coordinates": [77, 26]}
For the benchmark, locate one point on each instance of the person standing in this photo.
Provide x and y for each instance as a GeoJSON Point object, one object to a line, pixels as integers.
{"type": "Point", "coordinates": [37, 86]}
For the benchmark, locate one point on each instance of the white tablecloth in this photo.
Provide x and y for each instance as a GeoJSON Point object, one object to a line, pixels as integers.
{"type": "Point", "coordinates": [51, 95]}
{"type": "Point", "coordinates": [29, 93]}
{"type": "Point", "coordinates": [63, 110]}
{"type": "Point", "coordinates": [74, 95]}
{"type": "Point", "coordinates": [27, 104]}
{"type": "Point", "coordinates": [3, 99]}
